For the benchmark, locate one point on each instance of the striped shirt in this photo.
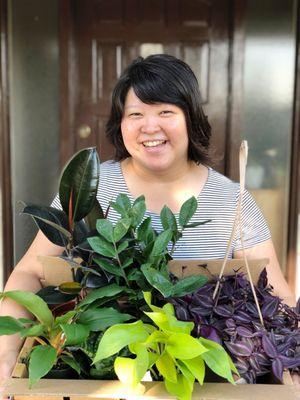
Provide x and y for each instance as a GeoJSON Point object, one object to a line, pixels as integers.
{"type": "Point", "coordinates": [217, 201]}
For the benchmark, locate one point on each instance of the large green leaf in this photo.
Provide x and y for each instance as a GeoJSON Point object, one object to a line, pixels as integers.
{"type": "Point", "coordinates": [168, 219]}
{"type": "Point", "coordinates": [137, 212]}
{"type": "Point", "coordinates": [121, 228]}
{"type": "Point", "coordinates": [118, 336]}
{"type": "Point", "coordinates": [161, 243]}
{"type": "Point", "coordinates": [51, 221]}
{"type": "Point", "coordinates": [33, 304]}
{"type": "Point", "coordinates": [10, 325]}
{"type": "Point", "coordinates": [188, 285]}
{"type": "Point", "coordinates": [181, 389]}
{"type": "Point", "coordinates": [71, 361]}
{"type": "Point", "coordinates": [102, 246]}
{"type": "Point", "coordinates": [187, 210]}
{"type": "Point", "coordinates": [217, 359]}
{"type": "Point", "coordinates": [166, 367]}
{"type": "Point", "coordinates": [105, 229]}
{"type": "Point", "coordinates": [122, 204]}
{"type": "Point", "coordinates": [35, 330]}
{"type": "Point", "coordinates": [98, 319]}
{"type": "Point", "coordinates": [192, 347]}
{"type": "Point", "coordinates": [197, 367]}
{"type": "Point", "coordinates": [42, 359]}
{"type": "Point", "coordinates": [79, 183]}
{"type": "Point", "coordinates": [105, 291]}
{"type": "Point", "coordinates": [157, 280]}
{"type": "Point", "coordinates": [75, 333]}
{"type": "Point", "coordinates": [109, 266]}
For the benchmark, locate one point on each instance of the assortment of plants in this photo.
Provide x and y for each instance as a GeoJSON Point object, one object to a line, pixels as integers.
{"type": "Point", "coordinates": [124, 314]}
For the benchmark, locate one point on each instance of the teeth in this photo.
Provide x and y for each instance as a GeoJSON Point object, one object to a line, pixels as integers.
{"type": "Point", "coordinates": [153, 143]}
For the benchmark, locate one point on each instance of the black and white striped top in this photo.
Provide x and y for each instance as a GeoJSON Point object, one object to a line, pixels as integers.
{"type": "Point", "coordinates": [217, 201]}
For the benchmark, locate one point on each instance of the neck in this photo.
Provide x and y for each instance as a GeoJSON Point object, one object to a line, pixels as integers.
{"type": "Point", "coordinates": [161, 176]}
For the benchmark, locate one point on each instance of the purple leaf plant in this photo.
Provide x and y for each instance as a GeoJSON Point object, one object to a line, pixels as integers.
{"type": "Point", "coordinates": [232, 320]}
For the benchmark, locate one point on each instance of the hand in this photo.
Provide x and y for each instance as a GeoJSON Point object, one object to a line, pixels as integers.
{"type": "Point", "coordinates": [7, 363]}
{"type": "Point", "coordinates": [296, 378]}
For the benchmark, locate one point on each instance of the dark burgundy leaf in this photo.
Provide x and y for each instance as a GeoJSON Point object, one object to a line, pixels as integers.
{"type": "Point", "coordinates": [211, 333]}
{"type": "Point", "coordinates": [223, 311]}
{"type": "Point", "coordinates": [269, 347]}
{"type": "Point", "coordinates": [263, 360]}
{"type": "Point", "coordinates": [297, 309]}
{"type": "Point", "coordinates": [230, 323]}
{"type": "Point", "coordinates": [239, 348]}
{"type": "Point", "coordinates": [242, 365]}
{"type": "Point", "coordinates": [270, 306]}
{"type": "Point", "coordinates": [242, 317]}
{"type": "Point", "coordinates": [253, 361]}
{"type": "Point", "coordinates": [201, 300]}
{"type": "Point", "coordinates": [252, 309]}
{"type": "Point", "coordinates": [277, 368]}
{"type": "Point", "coordinates": [182, 313]}
{"type": "Point", "coordinates": [263, 281]}
{"type": "Point", "coordinates": [290, 362]}
{"type": "Point", "coordinates": [197, 311]}
{"type": "Point", "coordinates": [244, 332]}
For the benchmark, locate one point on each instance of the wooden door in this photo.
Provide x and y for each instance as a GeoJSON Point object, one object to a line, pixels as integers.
{"type": "Point", "coordinates": [100, 37]}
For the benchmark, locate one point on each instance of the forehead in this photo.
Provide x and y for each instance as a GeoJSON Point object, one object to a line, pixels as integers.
{"type": "Point", "coordinates": [132, 100]}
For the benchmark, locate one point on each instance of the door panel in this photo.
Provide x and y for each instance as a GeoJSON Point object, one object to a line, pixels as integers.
{"type": "Point", "coordinates": [108, 35]}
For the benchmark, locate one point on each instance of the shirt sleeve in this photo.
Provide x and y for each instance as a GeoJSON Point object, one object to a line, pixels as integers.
{"type": "Point", "coordinates": [56, 202]}
{"type": "Point", "coordinates": [255, 229]}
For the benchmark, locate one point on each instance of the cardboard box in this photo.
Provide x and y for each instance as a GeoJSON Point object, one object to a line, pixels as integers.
{"type": "Point", "coordinates": [57, 271]}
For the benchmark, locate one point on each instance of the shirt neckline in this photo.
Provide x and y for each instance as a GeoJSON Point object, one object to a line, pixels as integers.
{"type": "Point", "coordinates": [151, 213]}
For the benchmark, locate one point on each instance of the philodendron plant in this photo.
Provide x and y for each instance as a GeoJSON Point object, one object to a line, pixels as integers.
{"type": "Point", "coordinates": [164, 346]}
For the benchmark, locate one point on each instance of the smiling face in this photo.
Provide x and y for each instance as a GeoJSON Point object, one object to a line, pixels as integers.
{"type": "Point", "coordinates": [155, 135]}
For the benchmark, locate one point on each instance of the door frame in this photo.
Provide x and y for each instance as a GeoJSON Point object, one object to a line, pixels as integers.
{"type": "Point", "coordinates": [5, 162]}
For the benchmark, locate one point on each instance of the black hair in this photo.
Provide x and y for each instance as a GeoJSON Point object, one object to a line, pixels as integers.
{"type": "Point", "coordinates": [161, 78]}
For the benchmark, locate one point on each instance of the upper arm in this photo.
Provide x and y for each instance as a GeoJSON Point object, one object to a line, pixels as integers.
{"type": "Point", "coordinates": [41, 246]}
{"type": "Point", "coordinates": [274, 272]}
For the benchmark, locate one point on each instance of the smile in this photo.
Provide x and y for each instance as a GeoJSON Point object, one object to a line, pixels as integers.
{"type": "Point", "coordinates": [154, 143]}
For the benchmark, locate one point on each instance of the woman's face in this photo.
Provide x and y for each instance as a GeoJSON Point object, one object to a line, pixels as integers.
{"type": "Point", "coordinates": [155, 135]}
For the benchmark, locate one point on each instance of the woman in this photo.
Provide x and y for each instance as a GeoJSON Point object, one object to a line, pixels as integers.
{"type": "Point", "coordinates": [161, 137]}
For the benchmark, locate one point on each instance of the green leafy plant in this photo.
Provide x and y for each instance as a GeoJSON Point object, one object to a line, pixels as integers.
{"type": "Point", "coordinates": [167, 349]}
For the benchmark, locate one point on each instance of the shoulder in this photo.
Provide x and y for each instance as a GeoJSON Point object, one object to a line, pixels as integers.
{"type": "Point", "coordinates": [219, 185]}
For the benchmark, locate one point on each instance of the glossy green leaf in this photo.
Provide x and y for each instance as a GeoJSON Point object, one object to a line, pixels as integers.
{"type": "Point", "coordinates": [105, 291]}
{"type": "Point", "coordinates": [122, 204]}
{"type": "Point", "coordinates": [33, 303]}
{"type": "Point", "coordinates": [126, 370]}
{"type": "Point", "coordinates": [109, 266]}
{"type": "Point", "coordinates": [181, 389]}
{"type": "Point", "coordinates": [122, 246]}
{"type": "Point", "coordinates": [102, 246]}
{"type": "Point", "coordinates": [119, 336]}
{"type": "Point", "coordinates": [168, 219]}
{"type": "Point", "coordinates": [70, 287]}
{"type": "Point", "coordinates": [51, 221]}
{"type": "Point", "coordinates": [75, 333]}
{"type": "Point", "coordinates": [157, 280]}
{"type": "Point", "coordinates": [106, 229]}
{"type": "Point", "coordinates": [197, 368]}
{"type": "Point", "coordinates": [190, 379]}
{"type": "Point", "coordinates": [144, 230]}
{"type": "Point", "coordinates": [161, 243]}
{"type": "Point", "coordinates": [188, 285]}
{"type": "Point", "coordinates": [42, 359]}
{"type": "Point", "coordinates": [121, 228]}
{"type": "Point", "coordinates": [166, 367]}
{"type": "Point", "coordinates": [217, 359]}
{"type": "Point", "coordinates": [187, 210]}
{"type": "Point", "coordinates": [141, 360]}
{"type": "Point", "coordinates": [35, 330]}
{"type": "Point", "coordinates": [79, 182]}
{"type": "Point", "coordinates": [98, 319]}
{"type": "Point", "coordinates": [71, 361]}
{"type": "Point", "coordinates": [192, 347]}
{"type": "Point", "coordinates": [137, 212]}
{"type": "Point", "coordinates": [10, 325]}
{"type": "Point", "coordinates": [65, 318]}
{"type": "Point", "coordinates": [194, 224]}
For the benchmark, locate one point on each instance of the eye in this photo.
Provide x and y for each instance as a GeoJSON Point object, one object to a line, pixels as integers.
{"type": "Point", "coordinates": [135, 114]}
{"type": "Point", "coordinates": [166, 112]}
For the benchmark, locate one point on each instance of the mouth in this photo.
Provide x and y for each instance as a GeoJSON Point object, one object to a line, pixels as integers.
{"type": "Point", "coordinates": [154, 143]}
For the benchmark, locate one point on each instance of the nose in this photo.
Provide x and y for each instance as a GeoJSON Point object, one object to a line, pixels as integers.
{"type": "Point", "coordinates": [150, 125]}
